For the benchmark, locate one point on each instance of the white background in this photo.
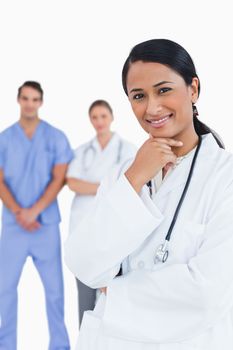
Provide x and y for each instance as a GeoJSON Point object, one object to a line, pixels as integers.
{"type": "Point", "coordinates": [76, 50]}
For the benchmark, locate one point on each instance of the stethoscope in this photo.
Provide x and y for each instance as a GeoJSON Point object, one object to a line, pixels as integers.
{"type": "Point", "coordinates": [90, 148]}
{"type": "Point", "coordinates": [162, 251]}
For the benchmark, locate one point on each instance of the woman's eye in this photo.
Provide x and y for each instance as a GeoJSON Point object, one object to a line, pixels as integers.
{"type": "Point", "coordinates": [138, 97]}
{"type": "Point", "coordinates": [163, 90]}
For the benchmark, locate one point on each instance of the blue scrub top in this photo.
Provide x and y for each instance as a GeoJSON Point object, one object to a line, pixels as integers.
{"type": "Point", "coordinates": [27, 166]}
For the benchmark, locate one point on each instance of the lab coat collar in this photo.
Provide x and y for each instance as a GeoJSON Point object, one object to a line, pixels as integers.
{"type": "Point", "coordinates": [179, 174]}
{"type": "Point", "coordinates": [112, 142]}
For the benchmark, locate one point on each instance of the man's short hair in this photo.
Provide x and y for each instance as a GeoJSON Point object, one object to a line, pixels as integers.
{"type": "Point", "coordinates": [34, 85]}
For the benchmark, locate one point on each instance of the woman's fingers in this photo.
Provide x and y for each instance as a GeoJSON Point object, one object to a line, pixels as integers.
{"type": "Point", "coordinates": [167, 141]}
{"type": "Point", "coordinates": [153, 155]}
{"type": "Point", "coordinates": [103, 290]}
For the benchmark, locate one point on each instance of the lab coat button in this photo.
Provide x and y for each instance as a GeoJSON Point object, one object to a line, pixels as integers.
{"type": "Point", "coordinates": [141, 264]}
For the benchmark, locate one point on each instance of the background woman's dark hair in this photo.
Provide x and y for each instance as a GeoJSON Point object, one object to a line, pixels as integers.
{"type": "Point", "coordinates": [100, 103]}
{"type": "Point", "coordinates": [173, 55]}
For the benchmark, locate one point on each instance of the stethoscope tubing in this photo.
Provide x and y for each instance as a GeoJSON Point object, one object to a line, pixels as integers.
{"type": "Point", "coordinates": [168, 236]}
{"type": "Point", "coordinates": [162, 251]}
{"type": "Point", "coordinates": [90, 146]}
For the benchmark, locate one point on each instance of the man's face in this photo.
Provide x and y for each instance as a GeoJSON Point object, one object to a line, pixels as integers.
{"type": "Point", "coordinates": [30, 102]}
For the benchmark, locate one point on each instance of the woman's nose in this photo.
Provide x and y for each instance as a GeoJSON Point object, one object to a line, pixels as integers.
{"type": "Point", "coordinates": [153, 106]}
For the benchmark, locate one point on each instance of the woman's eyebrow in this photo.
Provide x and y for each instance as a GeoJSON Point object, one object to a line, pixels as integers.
{"type": "Point", "coordinates": [163, 82]}
{"type": "Point", "coordinates": [135, 90]}
{"type": "Point", "coordinates": [156, 85]}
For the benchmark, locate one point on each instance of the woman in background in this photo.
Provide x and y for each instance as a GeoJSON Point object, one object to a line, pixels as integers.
{"type": "Point", "coordinates": [93, 160]}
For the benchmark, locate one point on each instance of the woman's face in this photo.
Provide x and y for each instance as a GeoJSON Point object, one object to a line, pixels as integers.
{"type": "Point", "coordinates": [101, 119]}
{"type": "Point", "coordinates": [161, 100]}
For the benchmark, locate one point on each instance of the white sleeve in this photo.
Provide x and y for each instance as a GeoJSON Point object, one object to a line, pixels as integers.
{"type": "Point", "coordinates": [179, 301]}
{"type": "Point", "coordinates": [129, 151]}
{"type": "Point", "coordinates": [75, 167]}
{"type": "Point", "coordinates": [117, 225]}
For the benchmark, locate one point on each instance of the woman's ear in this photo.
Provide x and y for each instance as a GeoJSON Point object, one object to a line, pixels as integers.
{"type": "Point", "coordinates": [194, 89]}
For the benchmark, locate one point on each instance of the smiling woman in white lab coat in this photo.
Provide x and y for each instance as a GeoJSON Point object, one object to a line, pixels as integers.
{"type": "Point", "coordinates": [92, 161]}
{"type": "Point", "coordinates": [178, 192]}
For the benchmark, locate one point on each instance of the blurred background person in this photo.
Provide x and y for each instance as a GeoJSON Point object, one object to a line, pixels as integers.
{"type": "Point", "coordinates": [91, 163]}
{"type": "Point", "coordinates": [33, 162]}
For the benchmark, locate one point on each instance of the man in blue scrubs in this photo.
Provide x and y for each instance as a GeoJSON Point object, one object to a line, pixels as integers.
{"type": "Point", "coordinates": [33, 161]}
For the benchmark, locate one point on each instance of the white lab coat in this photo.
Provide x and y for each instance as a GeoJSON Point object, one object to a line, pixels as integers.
{"type": "Point", "coordinates": [183, 304]}
{"type": "Point", "coordinates": [92, 163]}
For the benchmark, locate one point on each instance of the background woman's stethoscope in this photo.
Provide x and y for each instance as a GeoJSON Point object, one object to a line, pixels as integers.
{"type": "Point", "coordinates": [90, 148]}
{"type": "Point", "coordinates": [162, 251]}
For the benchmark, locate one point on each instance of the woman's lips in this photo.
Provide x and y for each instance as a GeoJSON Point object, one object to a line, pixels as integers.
{"type": "Point", "coordinates": [159, 122]}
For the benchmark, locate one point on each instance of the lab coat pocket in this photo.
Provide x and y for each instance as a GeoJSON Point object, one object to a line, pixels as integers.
{"type": "Point", "coordinates": [186, 239]}
{"type": "Point", "coordinates": [90, 327]}
{"type": "Point", "coordinates": [89, 332]}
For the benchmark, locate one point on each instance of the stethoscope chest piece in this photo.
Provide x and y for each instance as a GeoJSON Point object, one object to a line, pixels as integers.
{"type": "Point", "coordinates": [161, 253]}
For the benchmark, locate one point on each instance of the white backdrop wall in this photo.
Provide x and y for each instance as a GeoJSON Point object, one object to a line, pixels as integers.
{"type": "Point", "coordinates": [76, 50]}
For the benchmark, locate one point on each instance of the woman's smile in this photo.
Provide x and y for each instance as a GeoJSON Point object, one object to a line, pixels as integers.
{"type": "Point", "coordinates": [159, 122]}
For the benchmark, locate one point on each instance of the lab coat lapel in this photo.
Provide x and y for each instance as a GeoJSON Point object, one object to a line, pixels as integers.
{"type": "Point", "coordinates": [96, 145]}
{"type": "Point", "coordinates": [113, 143]}
{"type": "Point", "coordinates": [102, 156]}
{"type": "Point", "coordinates": [179, 174]}
{"type": "Point", "coordinates": [110, 146]}
{"type": "Point", "coordinates": [176, 178]}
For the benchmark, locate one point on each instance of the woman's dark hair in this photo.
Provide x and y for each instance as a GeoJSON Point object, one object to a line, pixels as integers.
{"type": "Point", "coordinates": [32, 84]}
{"type": "Point", "coordinates": [100, 103]}
{"type": "Point", "coordinates": [173, 55]}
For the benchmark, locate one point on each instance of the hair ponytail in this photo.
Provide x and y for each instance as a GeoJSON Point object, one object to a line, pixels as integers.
{"type": "Point", "coordinates": [203, 129]}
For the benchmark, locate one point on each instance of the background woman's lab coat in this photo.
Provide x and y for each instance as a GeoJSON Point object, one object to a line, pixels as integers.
{"type": "Point", "coordinates": [91, 163]}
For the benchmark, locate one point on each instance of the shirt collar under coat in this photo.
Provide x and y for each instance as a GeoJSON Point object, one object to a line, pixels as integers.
{"type": "Point", "coordinates": [178, 177]}
{"type": "Point", "coordinates": [112, 142]}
